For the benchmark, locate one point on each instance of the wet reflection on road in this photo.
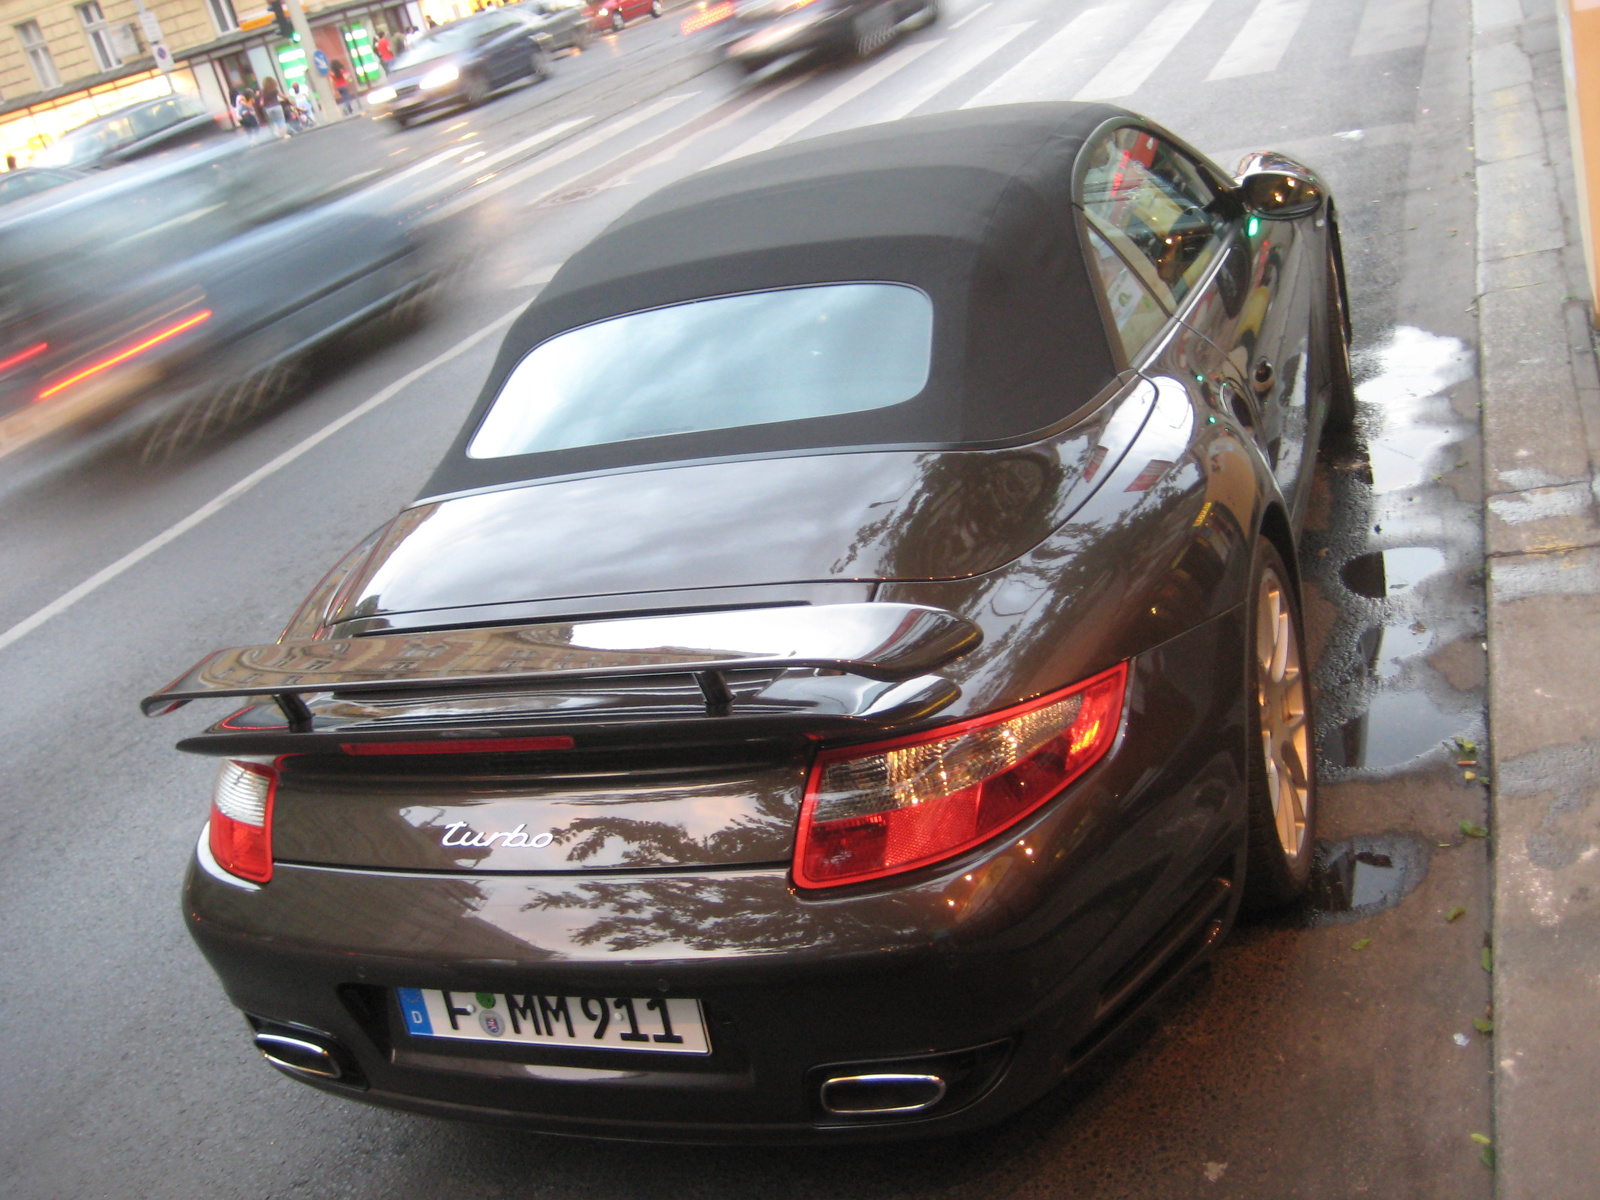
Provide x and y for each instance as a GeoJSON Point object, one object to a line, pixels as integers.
{"type": "Point", "coordinates": [1396, 553]}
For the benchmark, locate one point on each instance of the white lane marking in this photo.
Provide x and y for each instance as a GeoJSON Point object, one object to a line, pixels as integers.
{"type": "Point", "coordinates": [972, 14]}
{"type": "Point", "coordinates": [481, 165]}
{"type": "Point", "coordinates": [1126, 73]}
{"type": "Point", "coordinates": [1260, 44]}
{"type": "Point", "coordinates": [1045, 74]}
{"type": "Point", "coordinates": [784, 128]}
{"type": "Point", "coordinates": [1391, 25]}
{"type": "Point", "coordinates": [494, 185]}
{"type": "Point", "coordinates": [970, 59]}
{"type": "Point", "coordinates": [726, 119]}
{"type": "Point", "coordinates": [212, 507]}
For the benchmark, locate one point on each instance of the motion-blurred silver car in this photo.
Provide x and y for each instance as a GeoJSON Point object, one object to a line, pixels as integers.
{"type": "Point", "coordinates": [462, 63]}
{"type": "Point", "coordinates": [184, 294]}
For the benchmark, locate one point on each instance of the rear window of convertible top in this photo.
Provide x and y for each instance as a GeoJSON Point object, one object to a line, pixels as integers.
{"type": "Point", "coordinates": [721, 363]}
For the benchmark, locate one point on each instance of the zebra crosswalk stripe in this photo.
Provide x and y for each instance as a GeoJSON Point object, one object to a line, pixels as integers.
{"type": "Point", "coordinates": [1137, 61]}
{"type": "Point", "coordinates": [1259, 46]}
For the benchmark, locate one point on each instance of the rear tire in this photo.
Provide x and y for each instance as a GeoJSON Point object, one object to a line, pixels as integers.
{"type": "Point", "coordinates": [1282, 759]}
{"type": "Point", "coordinates": [539, 65]}
{"type": "Point", "coordinates": [655, 8]}
{"type": "Point", "coordinates": [617, 21]}
{"type": "Point", "coordinates": [476, 90]}
{"type": "Point", "coordinates": [872, 30]}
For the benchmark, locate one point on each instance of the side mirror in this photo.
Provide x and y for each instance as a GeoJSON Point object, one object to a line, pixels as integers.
{"type": "Point", "coordinates": [1278, 188]}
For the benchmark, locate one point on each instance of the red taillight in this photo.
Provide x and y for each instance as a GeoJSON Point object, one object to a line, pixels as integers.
{"type": "Point", "coordinates": [241, 819]}
{"type": "Point", "coordinates": [123, 356]}
{"type": "Point", "coordinates": [879, 809]}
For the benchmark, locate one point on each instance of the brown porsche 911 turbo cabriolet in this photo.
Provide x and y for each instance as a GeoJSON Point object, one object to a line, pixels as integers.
{"type": "Point", "coordinates": [849, 662]}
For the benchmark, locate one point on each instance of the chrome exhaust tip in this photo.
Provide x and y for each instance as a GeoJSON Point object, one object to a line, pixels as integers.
{"type": "Point", "coordinates": [296, 1054]}
{"type": "Point", "coordinates": [881, 1095]}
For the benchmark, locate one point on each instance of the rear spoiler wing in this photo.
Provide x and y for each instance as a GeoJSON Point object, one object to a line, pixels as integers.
{"type": "Point", "coordinates": [885, 642]}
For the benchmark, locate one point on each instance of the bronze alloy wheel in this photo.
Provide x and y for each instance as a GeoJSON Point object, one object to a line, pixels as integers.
{"type": "Point", "coordinates": [1283, 785]}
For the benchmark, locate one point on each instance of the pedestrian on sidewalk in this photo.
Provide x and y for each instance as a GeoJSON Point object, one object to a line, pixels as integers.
{"type": "Point", "coordinates": [272, 101]}
{"type": "Point", "coordinates": [385, 54]}
{"type": "Point", "coordinates": [305, 99]}
{"type": "Point", "coordinates": [246, 113]}
{"type": "Point", "coordinates": [340, 75]}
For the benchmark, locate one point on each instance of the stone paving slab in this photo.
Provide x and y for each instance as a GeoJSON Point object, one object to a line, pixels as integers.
{"type": "Point", "coordinates": [1541, 420]}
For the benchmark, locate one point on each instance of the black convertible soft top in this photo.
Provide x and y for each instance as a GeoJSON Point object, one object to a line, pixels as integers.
{"type": "Point", "coordinates": [972, 207]}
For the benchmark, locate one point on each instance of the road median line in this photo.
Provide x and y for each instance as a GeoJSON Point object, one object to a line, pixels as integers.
{"type": "Point", "coordinates": [221, 501]}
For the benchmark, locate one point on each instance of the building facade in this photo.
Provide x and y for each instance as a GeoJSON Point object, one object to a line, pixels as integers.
{"type": "Point", "coordinates": [65, 62]}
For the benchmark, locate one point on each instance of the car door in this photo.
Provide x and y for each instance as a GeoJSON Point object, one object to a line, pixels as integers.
{"type": "Point", "coordinates": [1153, 249]}
{"type": "Point", "coordinates": [1188, 243]}
{"type": "Point", "coordinates": [504, 48]}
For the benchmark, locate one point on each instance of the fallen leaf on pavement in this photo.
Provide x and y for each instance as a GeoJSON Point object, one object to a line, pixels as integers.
{"type": "Point", "coordinates": [1474, 831]}
{"type": "Point", "coordinates": [1486, 959]}
{"type": "Point", "coordinates": [1483, 1025]}
{"type": "Point", "coordinates": [1455, 914]}
{"type": "Point", "coordinates": [1360, 943]}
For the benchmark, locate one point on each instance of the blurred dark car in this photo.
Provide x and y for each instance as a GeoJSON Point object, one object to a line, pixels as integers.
{"type": "Point", "coordinates": [185, 292]}
{"type": "Point", "coordinates": [462, 63]}
{"type": "Point", "coordinates": [566, 24]}
{"type": "Point", "coordinates": [847, 666]}
{"type": "Point", "coordinates": [30, 181]}
{"type": "Point", "coordinates": [131, 133]}
{"type": "Point", "coordinates": [614, 14]}
{"type": "Point", "coordinates": [767, 31]}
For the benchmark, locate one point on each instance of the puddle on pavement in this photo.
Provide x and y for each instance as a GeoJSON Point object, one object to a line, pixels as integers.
{"type": "Point", "coordinates": [1396, 728]}
{"type": "Point", "coordinates": [1361, 876]}
{"type": "Point", "coordinates": [1385, 572]}
{"type": "Point", "coordinates": [1389, 647]}
{"type": "Point", "coordinates": [1409, 373]}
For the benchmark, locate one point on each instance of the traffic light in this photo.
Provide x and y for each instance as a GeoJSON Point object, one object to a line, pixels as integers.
{"type": "Point", "coordinates": [280, 18]}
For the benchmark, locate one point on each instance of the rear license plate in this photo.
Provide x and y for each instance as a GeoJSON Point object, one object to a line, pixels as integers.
{"type": "Point", "coordinates": [668, 1026]}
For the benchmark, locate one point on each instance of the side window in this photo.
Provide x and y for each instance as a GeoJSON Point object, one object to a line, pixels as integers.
{"type": "Point", "coordinates": [1139, 188]}
{"type": "Point", "coordinates": [1134, 311]}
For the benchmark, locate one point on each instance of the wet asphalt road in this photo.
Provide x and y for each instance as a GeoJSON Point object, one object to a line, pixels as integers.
{"type": "Point", "coordinates": [1296, 1065]}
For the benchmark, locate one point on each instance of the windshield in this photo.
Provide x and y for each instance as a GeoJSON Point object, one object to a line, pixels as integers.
{"type": "Point", "coordinates": [722, 363]}
{"type": "Point", "coordinates": [454, 38]}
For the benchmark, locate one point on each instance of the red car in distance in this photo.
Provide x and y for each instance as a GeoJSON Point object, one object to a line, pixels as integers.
{"type": "Point", "coordinates": [612, 15]}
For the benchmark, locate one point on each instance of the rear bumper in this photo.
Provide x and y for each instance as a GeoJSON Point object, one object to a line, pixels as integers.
{"type": "Point", "coordinates": [756, 44]}
{"type": "Point", "coordinates": [1031, 950]}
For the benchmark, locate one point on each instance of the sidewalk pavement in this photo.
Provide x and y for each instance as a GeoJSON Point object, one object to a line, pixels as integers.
{"type": "Point", "coordinates": [1541, 430]}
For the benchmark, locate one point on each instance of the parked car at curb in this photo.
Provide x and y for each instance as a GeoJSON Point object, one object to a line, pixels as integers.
{"type": "Point", "coordinates": [849, 663]}
{"type": "Point", "coordinates": [460, 65]}
{"type": "Point", "coordinates": [133, 132]}
{"type": "Point", "coordinates": [30, 181]}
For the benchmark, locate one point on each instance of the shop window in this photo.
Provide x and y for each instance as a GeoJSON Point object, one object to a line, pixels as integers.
{"type": "Point", "coordinates": [99, 35]}
{"type": "Point", "coordinates": [38, 52]}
